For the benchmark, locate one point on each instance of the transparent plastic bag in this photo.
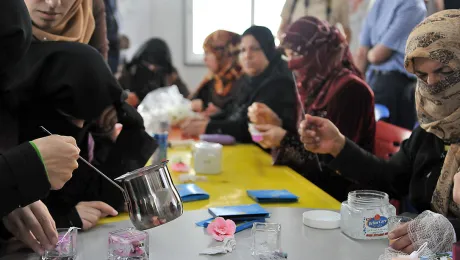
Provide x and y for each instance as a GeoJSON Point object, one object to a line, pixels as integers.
{"type": "Point", "coordinates": [164, 106]}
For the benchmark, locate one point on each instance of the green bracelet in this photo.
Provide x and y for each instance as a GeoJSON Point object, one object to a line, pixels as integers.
{"type": "Point", "coordinates": [39, 156]}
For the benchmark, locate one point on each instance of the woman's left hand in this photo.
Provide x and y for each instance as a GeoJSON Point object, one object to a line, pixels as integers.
{"type": "Point", "coordinates": [272, 135]}
{"type": "Point", "coordinates": [401, 239]}
{"type": "Point", "coordinates": [211, 110]}
{"type": "Point", "coordinates": [194, 126]}
{"type": "Point", "coordinates": [108, 119]}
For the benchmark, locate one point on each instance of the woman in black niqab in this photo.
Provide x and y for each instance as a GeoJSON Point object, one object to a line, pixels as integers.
{"type": "Point", "coordinates": [59, 83]}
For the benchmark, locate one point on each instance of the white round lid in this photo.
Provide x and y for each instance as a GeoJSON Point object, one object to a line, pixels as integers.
{"type": "Point", "coordinates": [321, 219]}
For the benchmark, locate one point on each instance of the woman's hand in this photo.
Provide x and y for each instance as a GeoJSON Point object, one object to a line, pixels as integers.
{"type": "Point", "coordinates": [401, 239]}
{"type": "Point", "coordinates": [211, 110]}
{"type": "Point", "coordinates": [108, 119]}
{"type": "Point", "coordinates": [59, 155]}
{"type": "Point", "coordinates": [271, 135]}
{"type": "Point", "coordinates": [194, 126]}
{"type": "Point", "coordinates": [261, 114]}
{"type": "Point", "coordinates": [319, 135]}
{"type": "Point", "coordinates": [34, 226]}
{"type": "Point", "coordinates": [91, 212]}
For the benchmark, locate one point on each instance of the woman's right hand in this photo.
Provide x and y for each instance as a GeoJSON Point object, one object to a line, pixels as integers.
{"type": "Point", "coordinates": [34, 226]}
{"type": "Point", "coordinates": [319, 135]}
{"type": "Point", "coordinates": [261, 114]}
{"type": "Point", "coordinates": [59, 155]}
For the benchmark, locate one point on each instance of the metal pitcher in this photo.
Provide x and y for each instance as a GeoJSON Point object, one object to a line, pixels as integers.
{"type": "Point", "coordinates": [152, 198]}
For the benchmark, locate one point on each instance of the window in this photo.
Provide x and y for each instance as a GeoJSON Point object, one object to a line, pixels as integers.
{"type": "Point", "coordinates": [206, 16]}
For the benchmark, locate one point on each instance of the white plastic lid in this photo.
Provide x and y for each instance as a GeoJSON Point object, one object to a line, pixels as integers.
{"type": "Point", "coordinates": [321, 219]}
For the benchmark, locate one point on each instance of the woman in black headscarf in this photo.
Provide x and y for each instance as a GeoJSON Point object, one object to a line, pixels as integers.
{"type": "Point", "coordinates": [150, 68]}
{"type": "Point", "coordinates": [67, 88]}
{"type": "Point", "coordinates": [266, 79]}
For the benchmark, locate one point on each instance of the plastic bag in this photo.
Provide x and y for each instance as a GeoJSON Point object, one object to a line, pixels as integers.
{"type": "Point", "coordinates": [164, 106]}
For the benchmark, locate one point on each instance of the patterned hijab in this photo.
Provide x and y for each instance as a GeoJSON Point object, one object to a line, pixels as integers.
{"type": "Point", "coordinates": [76, 26]}
{"type": "Point", "coordinates": [325, 58]}
{"type": "Point", "coordinates": [225, 46]}
{"type": "Point", "coordinates": [438, 105]}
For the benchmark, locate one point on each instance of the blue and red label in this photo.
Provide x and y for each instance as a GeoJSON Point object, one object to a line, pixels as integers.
{"type": "Point", "coordinates": [376, 226]}
{"type": "Point", "coordinates": [377, 222]}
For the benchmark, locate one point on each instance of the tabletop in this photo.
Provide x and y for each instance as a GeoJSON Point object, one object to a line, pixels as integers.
{"type": "Point", "coordinates": [247, 167]}
{"type": "Point", "coordinates": [181, 239]}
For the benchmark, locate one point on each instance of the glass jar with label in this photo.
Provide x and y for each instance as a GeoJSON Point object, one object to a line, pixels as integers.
{"type": "Point", "coordinates": [365, 215]}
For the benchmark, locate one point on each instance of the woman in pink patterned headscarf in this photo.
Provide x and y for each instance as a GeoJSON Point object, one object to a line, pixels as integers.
{"type": "Point", "coordinates": [330, 86]}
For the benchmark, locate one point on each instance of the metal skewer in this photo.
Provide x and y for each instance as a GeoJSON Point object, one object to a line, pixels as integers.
{"type": "Point", "coordinates": [90, 165]}
{"type": "Point", "coordinates": [304, 113]}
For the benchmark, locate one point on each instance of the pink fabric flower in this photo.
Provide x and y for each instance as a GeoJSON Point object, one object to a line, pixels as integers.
{"type": "Point", "coordinates": [221, 228]}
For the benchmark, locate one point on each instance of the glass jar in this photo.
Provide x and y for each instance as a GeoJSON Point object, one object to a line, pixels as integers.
{"type": "Point", "coordinates": [365, 215]}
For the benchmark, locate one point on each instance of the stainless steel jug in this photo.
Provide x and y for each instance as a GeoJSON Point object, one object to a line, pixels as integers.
{"type": "Point", "coordinates": [152, 198]}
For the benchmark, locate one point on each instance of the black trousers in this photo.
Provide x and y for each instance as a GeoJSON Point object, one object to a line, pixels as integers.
{"type": "Point", "coordinates": [397, 92]}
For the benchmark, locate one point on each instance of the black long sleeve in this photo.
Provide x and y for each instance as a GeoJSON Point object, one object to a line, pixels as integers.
{"type": "Point", "coordinates": [413, 170]}
{"type": "Point", "coordinates": [392, 176]}
{"type": "Point", "coordinates": [23, 178]}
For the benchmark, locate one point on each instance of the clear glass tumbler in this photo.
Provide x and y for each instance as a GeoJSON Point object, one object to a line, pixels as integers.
{"type": "Point", "coordinates": [128, 244]}
{"type": "Point", "coordinates": [266, 238]}
{"type": "Point", "coordinates": [66, 247]}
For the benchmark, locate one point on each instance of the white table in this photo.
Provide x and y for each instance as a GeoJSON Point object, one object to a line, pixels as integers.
{"type": "Point", "coordinates": [181, 239]}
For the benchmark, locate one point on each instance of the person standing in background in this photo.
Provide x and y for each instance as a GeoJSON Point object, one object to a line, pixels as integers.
{"type": "Point", "coordinates": [381, 55]}
{"type": "Point", "coordinates": [358, 13]}
{"type": "Point", "coordinates": [434, 6]}
{"type": "Point", "coordinates": [333, 11]}
{"type": "Point", "coordinates": [112, 34]}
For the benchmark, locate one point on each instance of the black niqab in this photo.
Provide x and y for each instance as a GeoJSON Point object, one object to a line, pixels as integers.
{"type": "Point", "coordinates": [15, 38]}
{"type": "Point", "coordinates": [57, 79]}
{"type": "Point", "coordinates": [15, 32]}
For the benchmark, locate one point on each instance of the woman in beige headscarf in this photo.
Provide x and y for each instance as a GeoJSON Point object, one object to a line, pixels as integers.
{"type": "Point", "coordinates": [71, 21]}
{"type": "Point", "coordinates": [425, 169]}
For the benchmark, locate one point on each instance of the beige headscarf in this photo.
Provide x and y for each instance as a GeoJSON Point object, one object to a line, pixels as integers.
{"type": "Point", "coordinates": [438, 105]}
{"type": "Point", "coordinates": [76, 26]}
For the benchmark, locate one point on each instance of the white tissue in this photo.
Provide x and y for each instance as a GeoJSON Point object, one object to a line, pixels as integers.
{"type": "Point", "coordinates": [227, 246]}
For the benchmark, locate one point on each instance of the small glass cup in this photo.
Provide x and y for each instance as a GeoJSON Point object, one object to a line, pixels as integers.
{"type": "Point", "coordinates": [66, 247]}
{"type": "Point", "coordinates": [395, 222]}
{"type": "Point", "coordinates": [266, 238]}
{"type": "Point", "coordinates": [128, 244]}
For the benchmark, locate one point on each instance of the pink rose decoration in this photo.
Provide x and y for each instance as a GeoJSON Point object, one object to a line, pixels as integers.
{"type": "Point", "coordinates": [221, 228]}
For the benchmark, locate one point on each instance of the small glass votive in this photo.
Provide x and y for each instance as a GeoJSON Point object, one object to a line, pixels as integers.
{"type": "Point", "coordinates": [128, 244]}
{"type": "Point", "coordinates": [395, 222]}
{"type": "Point", "coordinates": [66, 247]}
{"type": "Point", "coordinates": [266, 238]}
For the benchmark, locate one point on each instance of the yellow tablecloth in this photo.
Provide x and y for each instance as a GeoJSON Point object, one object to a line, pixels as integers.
{"type": "Point", "coordinates": [247, 167]}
